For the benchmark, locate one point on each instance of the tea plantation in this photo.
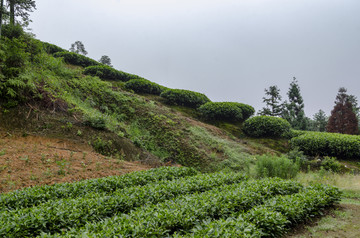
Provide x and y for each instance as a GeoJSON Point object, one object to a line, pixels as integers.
{"type": "Point", "coordinates": [164, 202]}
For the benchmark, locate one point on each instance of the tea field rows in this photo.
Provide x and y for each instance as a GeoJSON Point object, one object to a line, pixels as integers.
{"type": "Point", "coordinates": [164, 202]}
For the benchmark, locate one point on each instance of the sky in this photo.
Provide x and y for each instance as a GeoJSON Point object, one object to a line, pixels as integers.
{"type": "Point", "coordinates": [230, 50]}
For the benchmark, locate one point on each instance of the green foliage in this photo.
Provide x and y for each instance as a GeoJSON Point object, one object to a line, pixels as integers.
{"type": "Point", "coordinates": [183, 213]}
{"type": "Point", "coordinates": [274, 106]}
{"type": "Point", "coordinates": [331, 164]}
{"type": "Point", "coordinates": [15, 58]}
{"type": "Point", "coordinates": [12, 31]}
{"type": "Point", "coordinates": [328, 144]}
{"type": "Point", "coordinates": [76, 59]}
{"type": "Point", "coordinates": [292, 133]}
{"type": "Point", "coordinates": [97, 122]}
{"type": "Point", "coordinates": [184, 97]}
{"type": "Point", "coordinates": [144, 86]}
{"type": "Point", "coordinates": [102, 146]}
{"type": "Point", "coordinates": [274, 166]}
{"type": "Point", "coordinates": [33, 196]}
{"type": "Point", "coordinates": [108, 73]}
{"type": "Point", "coordinates": [52, 49]}
{"type": "Point", "coordinates": [226, 111]}
{"type": "Point", "coordinates": [266, 126]}
{"type": "Point", "coordinates": [66, 213]}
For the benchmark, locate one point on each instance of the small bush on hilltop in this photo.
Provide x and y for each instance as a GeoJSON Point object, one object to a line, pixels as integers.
{"type": "Point", "coordinates": [226, 111]}
{"type": "Point", "coordinates": [266, 126]}
{"type": "Point", "coordinates": [52, 49]}
{"type": "Point", "coordinates": [108, 73]}
{"type": "Point", "coordinates": [144, 86]}
{"type": "Point", "coordinates": [76, 59]}
{"type": "Point", "coordinates": [183, 97]}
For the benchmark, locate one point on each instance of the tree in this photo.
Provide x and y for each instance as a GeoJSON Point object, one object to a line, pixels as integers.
{"type": "Point", "coordinates": [320, 121]}
{"type": "Point", "coordinates": [274, 107]}
{"type": "Point", "coordinates": [105, 60]}
{"type": "Point", "coordinates": [78, 47]}
{"type": "Point", "coordinates": [343, 119]}
{"type": "Point", "coordinates": [20, 8]}
{"type": "Point", "coordinates": [294, 109]}
{"type": "Point", "coordinates": [1, 14]}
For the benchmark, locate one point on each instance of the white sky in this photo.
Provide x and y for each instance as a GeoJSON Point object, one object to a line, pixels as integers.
{"type": "Point", "coordinates": [228, 49]}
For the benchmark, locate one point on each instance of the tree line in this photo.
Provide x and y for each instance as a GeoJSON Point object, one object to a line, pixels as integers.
{"type": "Point", "coordinates": [344, 117]}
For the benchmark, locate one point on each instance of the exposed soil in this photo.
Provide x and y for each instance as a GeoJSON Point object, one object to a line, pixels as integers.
{"type": "Point", "coordinates": [35, 160]}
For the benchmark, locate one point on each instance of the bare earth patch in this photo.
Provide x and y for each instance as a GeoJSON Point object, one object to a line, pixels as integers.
{"type": "Point", "coordinates": [34, 160]}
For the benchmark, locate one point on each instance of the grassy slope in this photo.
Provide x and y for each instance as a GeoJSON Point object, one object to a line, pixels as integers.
{"type": "Point", "coordinates": [61, 102]}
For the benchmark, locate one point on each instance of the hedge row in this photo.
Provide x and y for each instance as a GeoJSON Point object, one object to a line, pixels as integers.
{"type": "Point", "coordinates": [76, 59]}
{"type": "Point", "coordinates": [61, 214]}
{"type": "Point", "coordinates": [52, 49]}
{"type": "Point", "coordinates": [108, 73]}
{"type": "Point", "coordinates": [144, 86]}
{"type": "Point", "coordinates": [273, 217]}
{"type": "Point", "coordinates": [328, 144]}
{"type": "Point", "coordinates": [183, 97]}
{"type": "Point", "coordinates": [40, 194]}
{"type": "Point", "coordinates": [183, 213]}
{"type": "Point", "coordinates": [226, 111]}
{"type": "Point", "coordinates": [266, 126]}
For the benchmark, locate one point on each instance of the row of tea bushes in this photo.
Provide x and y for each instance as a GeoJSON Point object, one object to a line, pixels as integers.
{"type": "Point", "coordinates": [56, 215]}
{"type": "Point", "coordinates": [36, 195]}
{"type": "Point", "coordinates": [273, 218]}
{"type": "Point", "coordinates": [106, 72]}
{"type": "Point", "coordinates": [328, 144]}
{"type": "Point", "coordinates": [183, 213]}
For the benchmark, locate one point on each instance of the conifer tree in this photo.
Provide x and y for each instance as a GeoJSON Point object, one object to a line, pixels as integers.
{"type": "Point", "coordinates": [20, 8]}
{"type": "Point", "coordinates": [274, 106]}
{"type": "Point", "coordinates": [343, 119]}
{"type": "Point", "coordinates": [320, 121]}
{"type": "Point", "coordinates": [294, 109]}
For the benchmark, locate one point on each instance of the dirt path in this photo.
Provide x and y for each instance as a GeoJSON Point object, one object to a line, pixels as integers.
{"type": "Point", "coordinates": [33, 160]}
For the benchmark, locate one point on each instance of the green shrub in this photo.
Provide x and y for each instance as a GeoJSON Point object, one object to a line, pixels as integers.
{"type": "Point", "coordinates": [226, 111]}
{"type": "Point", "coordinates": [331, 164]}
{"type": "Point", "coordinates": [97, 122]}
{"type": "Point", "coordinates": [274, 166]}
{"type": "Point", "coordinates": [266, 126]}
{"type": "Point", "coordinates": [108, 73]}
{"type": "Point", "coordinates": [52, 49]}
{"type": "Point", "coordinates": [184, 97]}
{"type": "Point", "coordinates": [76, 59]}
{"type": "Point", "coordinates": [144, 86]}
{"type": "Point", "coordinates": [9, 31]}
{"type": "Point", "coordinates": [292, 133]}
{"type": "Point", "coordinates": [328, 144]}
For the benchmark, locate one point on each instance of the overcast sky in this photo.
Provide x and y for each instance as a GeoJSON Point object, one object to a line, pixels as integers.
{"type": "Point", "coordinates": [231, 50]}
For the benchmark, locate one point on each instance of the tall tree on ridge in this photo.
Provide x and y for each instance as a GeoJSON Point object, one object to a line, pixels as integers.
{"type": "Point", "coordinates": [294, 109]}
{"type": "Point", "coordinates": [343, 118]}
{"type": "Point", "coordinates": [20, 8]}
{"type": "Point", "coordinates": [274, 106]}
{"type": "Point", "coordinates": [78, 48]}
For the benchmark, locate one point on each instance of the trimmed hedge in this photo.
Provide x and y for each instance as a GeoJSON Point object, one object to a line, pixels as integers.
{"type": "Point", "coordinates": [266, 126]}
{"type": "Point", "coordinates": [52, 49]}
{"type": "Point", "coordinates": [76, 59]}
{"type": "Point", "coordinates": [144, 86]}
{"type": "Point", "coordinates": [328, 144]}
{"type": "Point", "coordinates": [108, 73]}
{"type": "Point", "coordinates": [227, 111]}
{"type": "Point", "coordinates": [183, 97]}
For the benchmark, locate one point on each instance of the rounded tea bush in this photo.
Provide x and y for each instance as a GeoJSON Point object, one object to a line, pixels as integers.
{"type": "Point", "coordinates": [184, 97]}
{"type": "Point", "coordinates": [106, 72]}
{"type": "Point", "coordinates": [226, 111]}
{"type": "Point", "coordinates": [144, 86]}
{"type": "Point", "coordinates": [266, 126]}
{"type": "Point", "coordinates": [76, 59]}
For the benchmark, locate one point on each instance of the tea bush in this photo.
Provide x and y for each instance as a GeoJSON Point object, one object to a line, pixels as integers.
{"type": "Point", "coordinates": [266, 126]}
{"type": "Point", "coordinates": [328, 144]}
{"type": "Point", "coordinates": [76, 59]}
{"type": "Point", "coordinates": [33, 196]}
{"type": "Point", "coordinates": [108, 73]}
{"type": "Point", "coordinates": [184, 97]}
{"type": "Point", "coordinates": [144, 86]}
{"type": "Point", "coordinates": [52, 49]}
{"type": "Point", "coordinates": [226, 111]}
